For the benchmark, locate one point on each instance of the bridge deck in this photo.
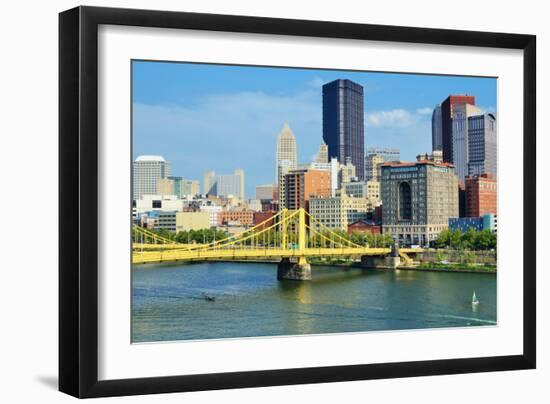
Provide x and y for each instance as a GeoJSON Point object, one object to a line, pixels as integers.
{"type": "Point", "coordinates": [140, 257]}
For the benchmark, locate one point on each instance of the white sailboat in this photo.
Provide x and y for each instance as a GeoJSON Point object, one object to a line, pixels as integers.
{"type": "Point", "coordinates": [474, 298]}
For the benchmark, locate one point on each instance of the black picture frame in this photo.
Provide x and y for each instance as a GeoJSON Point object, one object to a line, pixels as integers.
{"type": "Point", "coordinates": [78, 196]}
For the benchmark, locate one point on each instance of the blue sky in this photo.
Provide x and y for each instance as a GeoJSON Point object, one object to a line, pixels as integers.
{"type": "Point", "coordinates": [215, 117]}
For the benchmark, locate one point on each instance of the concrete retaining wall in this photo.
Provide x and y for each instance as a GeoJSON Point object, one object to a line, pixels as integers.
{"type": "Point", "coordinates": [457, 256]}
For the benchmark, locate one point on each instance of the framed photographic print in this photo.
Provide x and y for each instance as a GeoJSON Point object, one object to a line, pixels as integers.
{"type": "Point", "coordinates": [250, 201]}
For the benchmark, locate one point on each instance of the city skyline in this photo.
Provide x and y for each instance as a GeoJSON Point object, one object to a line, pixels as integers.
{"type": "Point", "coordinates": [248, 106]}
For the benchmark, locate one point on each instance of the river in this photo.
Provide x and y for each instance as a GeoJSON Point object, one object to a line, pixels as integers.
{"type": "Point", "coordinates": [168, 301]}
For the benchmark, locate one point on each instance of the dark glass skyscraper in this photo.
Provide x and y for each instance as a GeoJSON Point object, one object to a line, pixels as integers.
{"type": "Point", "coordinates": [343, 123]}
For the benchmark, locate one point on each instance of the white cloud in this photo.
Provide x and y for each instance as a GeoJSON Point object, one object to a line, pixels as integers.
{"type": "Point", "coordinates": [394, 117]}
{"type": "Point", "coordinates": [316, 82]}
{"type": "Point", "coordinates": [424, 111]}
{"type": "Point", "coordinates": [224, 131]}
{"type": "Point", "coordinates": [489, 109]}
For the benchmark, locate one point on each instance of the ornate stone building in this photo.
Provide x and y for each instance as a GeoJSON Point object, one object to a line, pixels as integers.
{"type": "Point", "coordinates": [418, 198]}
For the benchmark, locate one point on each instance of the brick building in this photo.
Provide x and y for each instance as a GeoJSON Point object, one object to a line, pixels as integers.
{"type": "Point", "coordinates": [260, 217]}
{"type": "Point", "coordinates": [364, 226]}
{"type": "Point", "coordinates": [481, 195]}
{"type": "Point", "coordinates": [242, 217]}
{"type": "Point", "coordinates": [301, 185]}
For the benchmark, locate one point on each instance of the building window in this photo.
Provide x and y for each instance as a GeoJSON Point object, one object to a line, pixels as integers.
{"type": "Point", "coordinates": [405, 205]}
{"type": "Point", "coordinates": [157, 204]}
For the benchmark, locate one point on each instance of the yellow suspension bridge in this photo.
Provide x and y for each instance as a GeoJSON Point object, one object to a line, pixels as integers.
{"type": "Point", "coordinates": [291, 236]}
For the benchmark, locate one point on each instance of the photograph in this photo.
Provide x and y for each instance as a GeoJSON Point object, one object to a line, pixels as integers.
{"type": "Point", "coordinates": [272, 201]}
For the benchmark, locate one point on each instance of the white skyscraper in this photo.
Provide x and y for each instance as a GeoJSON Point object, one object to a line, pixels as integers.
{"type": "Point", "coordinates": [147, 170]}
{"type": "Point", "coordinates": [285, 159]}
{"type": "Point", "coordinates": [286, 150]}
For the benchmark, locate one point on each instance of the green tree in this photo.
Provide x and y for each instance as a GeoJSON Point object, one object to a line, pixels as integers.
{"type": "Point", "coordinates": [455, 239]}
{"type": "Point", "coordinates": [468, 238]}
{"type": "Point", "coordinates": [443, 240]}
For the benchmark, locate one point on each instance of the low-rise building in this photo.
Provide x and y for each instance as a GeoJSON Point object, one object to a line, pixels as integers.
{"type": "Point", "coordinates": [339, 211]}
{"type": "Point", "coordinates": [481, 195]}
{"type": "Point", "coordinates": [463, 224]}
{"type": "Point", "coordinates": [186, 221]}
{"type": "Point", "coordinates": [260, 217]}
{"type": "Point", "coordinates": [364, 226]}
{"type": "Point", "coordinates": [213, 213]}
{"type": "Point", "coordinates": [255, 205]}
{"type": "Point", "coordinates": [237, 217]}
{"type": "Point", "coordinates": [158, 220]}
{"type": "Point", "coordinates": [158, 203]}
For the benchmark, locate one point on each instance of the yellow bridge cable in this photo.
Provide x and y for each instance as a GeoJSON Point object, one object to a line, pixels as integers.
{"type": "Point", "coordinates": [152, 235]}
{"type": "Point", "coordinates": [341, 245]}
{"type": "Point", "coordinates": [252, 235]}
{"type": "Point", "coordinates": [242, 233]}
{"type": "Point", "coordinates": [235, 236]}
{"type": "Point", "coordinates": [322, 226]}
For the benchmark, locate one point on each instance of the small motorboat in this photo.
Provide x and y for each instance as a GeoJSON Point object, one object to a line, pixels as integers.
{"type": "Point", "coordinates": [208, 298]}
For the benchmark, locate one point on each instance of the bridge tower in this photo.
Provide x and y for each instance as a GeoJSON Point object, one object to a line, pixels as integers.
{"type": "Point", "coordinates": [301, 270]}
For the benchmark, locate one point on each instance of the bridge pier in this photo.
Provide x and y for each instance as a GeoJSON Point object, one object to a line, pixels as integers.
{"type": "Point", "coordinates": [296, 271]}
{"type": "Point", "coordinates": [374, 261]}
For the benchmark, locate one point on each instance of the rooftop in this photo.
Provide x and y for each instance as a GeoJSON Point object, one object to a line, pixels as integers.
{"type": "Point", "coordinates": [150, 158]}
{"type": "Point", "coordinates": [412, 164]}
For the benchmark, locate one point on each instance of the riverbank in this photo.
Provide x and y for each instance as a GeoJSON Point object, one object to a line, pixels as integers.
{"type": "Point", "coordinates": [424, 266]}
{"type": "Point", "coordinates": [349, 263]}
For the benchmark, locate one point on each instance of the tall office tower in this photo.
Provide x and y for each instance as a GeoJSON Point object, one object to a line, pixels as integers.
{"type": "Point", "coordinates": [482, 145]}
{"type": "Point", "coordinates": [322, 154]}
{"type": "Point", "coordinates": [334, 167]}
{"type": "Point", "coordinates": [372, 166]}
{"type": "Point", "coordinates": [230, 184]}
{"type": "Point", "coordinates": [437, 129]}
{"type": "Point", "coordinates": [343, 122]}
{"type": "Point", "coordinates": [286, 151]}
{"type": "Point", "coordinates": [147, 170]}
{"type": "Point", "coordinates": [177, 186]}
{"type": "Point", "coordinates": [209, 183]}
{"type": "Point", "coordinates": [240, 173]}
{"type": "Point", "coordinates": [187, 187]}
{"type": "Point", "coordinates": [460, 117]}
{"type": "Point", "coordinates": [225, 184]}
{"type": "Point", "coordinates": [387, 153]}
{"type": "Point", "coordinates": [447, 110]}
